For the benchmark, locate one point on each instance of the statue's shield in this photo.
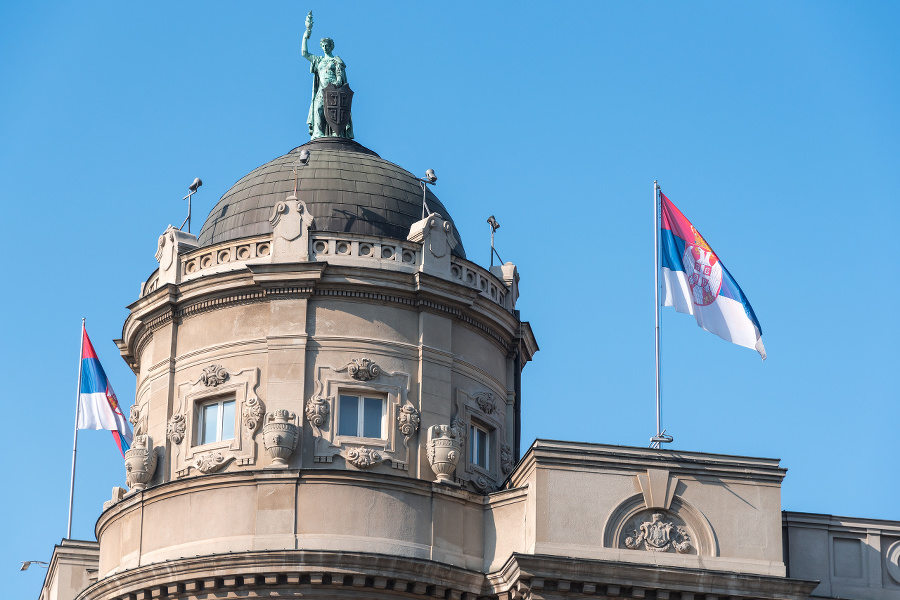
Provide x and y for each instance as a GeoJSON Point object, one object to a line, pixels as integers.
{"type": "Point", "coordinates": [337, 106]}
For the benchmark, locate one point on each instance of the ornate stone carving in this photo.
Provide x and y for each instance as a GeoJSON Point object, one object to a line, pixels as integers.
{"type": "Point", "coordinates": [408, 421]}
{"type": "Point", "coordinates": [486, 402]}
{"type": "Point", "coordinates": [363, 369]}
{"type": "Point", "coordinates": [444, 450]}
{"type": "Point", "coordinates": [118, 493]}
{"type": "Point", "coordinates": [290, 222]}
{"type": "Point", "coordinates": [140, 463]}
{"type": "Point", "coordinates": [280, 434]}
{"type": "Point", "coordinates": [482, 484]}
{"type": "Point", "coordinates": [134, 417]}
{"type": "Point", "coordinates": [176, 428]}
{"type": "Point", "coordinates": [657, 535]}
{"type": "Point", "coordinates": [252, 413]}
{"type": "Point", "coordinates": [317, 411]}
{"type": "Point", "coordinates": [209, 462]}
{"type": "Point", "coordinates": [458, 427]}
{"type": "Point", "coordinates": [436, 236]}
{"type": "Point", "coordinates": [363, 458]}
{"type": "Point", "coordinates": [506, 459]}
{"type": "Point", "coordinates": [214, 375]}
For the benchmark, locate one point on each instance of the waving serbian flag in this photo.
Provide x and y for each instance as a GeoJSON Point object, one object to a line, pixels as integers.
{"type": "Point", "coordinates": [98, 407]}
{"type": "Point", "coordinates": [696, 282]}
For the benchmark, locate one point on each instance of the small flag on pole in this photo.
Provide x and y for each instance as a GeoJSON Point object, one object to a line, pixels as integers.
{"type": "Point", "coordinates": [98, 407]}
{"type": "Point", "coordinates": [694, 281]}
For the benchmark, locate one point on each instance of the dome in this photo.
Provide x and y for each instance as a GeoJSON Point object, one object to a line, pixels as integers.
{"type": "Point", "coordinates": [346, 187]}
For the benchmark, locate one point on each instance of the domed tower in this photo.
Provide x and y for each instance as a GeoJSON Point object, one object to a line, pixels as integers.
{"type": "Point", "coordinates": [328, 406]}
{"type": "Point", "coordinates": [322, 377]}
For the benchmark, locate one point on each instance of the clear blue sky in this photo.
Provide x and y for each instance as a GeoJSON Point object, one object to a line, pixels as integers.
{"type": "Point", "coordinates": [773, 126]}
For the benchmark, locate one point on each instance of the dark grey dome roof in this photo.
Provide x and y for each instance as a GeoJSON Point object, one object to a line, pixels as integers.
{"type": "Point", "coordinates": [346, 186]}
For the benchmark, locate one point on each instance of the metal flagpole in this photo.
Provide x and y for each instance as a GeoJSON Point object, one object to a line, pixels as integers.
{"type": "Point", "coordinates": [656, 289]}
{"type": "Point", "coordinates": [660, 438]}
{"type": "Point", "coordinates": [75, 443]}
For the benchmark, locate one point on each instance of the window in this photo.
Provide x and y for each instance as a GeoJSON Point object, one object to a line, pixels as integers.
{"type": "Point", "coordinates": [216, 421]}
{"type": "Point", "coordinates": [479, 444]}
{"type": "Point", "coordinates": [361, 416]}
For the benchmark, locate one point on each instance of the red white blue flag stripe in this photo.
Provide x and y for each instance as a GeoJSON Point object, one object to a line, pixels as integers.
{"type": "Point", "coordinates": [694, 281]}
{"type": "Point", "coordinates": [98, 407]}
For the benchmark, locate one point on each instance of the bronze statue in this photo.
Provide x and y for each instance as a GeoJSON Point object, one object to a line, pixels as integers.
{"type": "Point", "coordinates": [329, 110]}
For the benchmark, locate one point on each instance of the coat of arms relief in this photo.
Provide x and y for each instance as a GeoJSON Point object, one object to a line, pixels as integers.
{"type": "Point", "coordinates": [658, 535]}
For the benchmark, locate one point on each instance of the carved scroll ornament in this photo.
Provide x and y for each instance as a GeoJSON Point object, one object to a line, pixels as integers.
{"type": "Point", "coordinates": [363, 458]}
{"type": "Point", "coordinates": [317, 411]}
{"type": "Point", "coordinates": [176, 428]}
{"type": "Point", "coordinates": [408, 422]}
{"type": "Point", "coordinates": [486, 402]}
{"type": "Point", "coordinates": [506, 460]}
{"type": "Point", "coordinates": [363, 369]}
{"type": "Point", "coordinates": [214, 375]}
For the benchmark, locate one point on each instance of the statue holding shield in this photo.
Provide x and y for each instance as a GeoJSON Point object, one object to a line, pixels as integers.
{"type": "Point", "coordinates": [329, 111]}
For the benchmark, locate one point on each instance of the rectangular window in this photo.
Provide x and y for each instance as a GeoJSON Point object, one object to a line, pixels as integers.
{"type": "Point", "coordinates": [216, 421]}
{"type": "Point", "coordinates": [361, 416]}
{"type": "Point", "coordinates": [479, 447]}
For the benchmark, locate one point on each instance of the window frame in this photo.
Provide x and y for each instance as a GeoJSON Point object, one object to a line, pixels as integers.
{"type": "Point", "coordinates": [474, 445]}
{"type": "Point", "coordinates": [200, 408]}
{"type": "Point", "coordinates": [361, 396]}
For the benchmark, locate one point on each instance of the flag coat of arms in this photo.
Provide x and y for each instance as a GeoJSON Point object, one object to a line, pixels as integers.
{"type": "Point", "coordinates": [694, 281]}
{"type": "Point", "coordinates": [98, 407]}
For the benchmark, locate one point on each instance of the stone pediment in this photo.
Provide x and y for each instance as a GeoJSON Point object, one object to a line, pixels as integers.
{"type": "Point", "coordinates": [650, 506]}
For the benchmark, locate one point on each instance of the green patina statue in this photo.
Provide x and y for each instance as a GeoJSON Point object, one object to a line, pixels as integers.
{"type": "Point", "coordinates": [329, 114]}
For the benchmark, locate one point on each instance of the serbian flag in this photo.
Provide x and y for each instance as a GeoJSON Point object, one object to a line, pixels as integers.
{"type": "Point", "coordinates": [98, 407]}
{"type": "Point", "coordinates": [696, 282]}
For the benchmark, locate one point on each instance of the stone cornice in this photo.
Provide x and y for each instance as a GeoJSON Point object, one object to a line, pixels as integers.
{"type": "Point", "coordinates": [264, 282]}
{"type": "Point", "coordinates": [524, 576]}
{"type": "Point", "coordinates": [281, 573]}
{"type": "Point", "coordinates": [549, 453]}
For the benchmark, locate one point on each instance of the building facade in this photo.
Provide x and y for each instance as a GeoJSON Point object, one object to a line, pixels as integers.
{"type": "Point", "coordinates": [328, 405]}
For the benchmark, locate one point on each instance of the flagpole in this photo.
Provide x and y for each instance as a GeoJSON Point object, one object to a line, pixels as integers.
{"type": "Point", "coordinates": [656, 294]}
{"type": "Point", "coordinates": [661, 437]}
{"type": "Point", "coordinates": [75, 443]}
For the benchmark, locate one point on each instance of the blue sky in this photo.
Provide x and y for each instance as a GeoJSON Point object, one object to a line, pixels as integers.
{"type": "Point", "coordinates": [773, 126]}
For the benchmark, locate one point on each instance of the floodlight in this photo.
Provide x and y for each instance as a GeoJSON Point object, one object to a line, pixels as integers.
{"type": "Point", "coordinates": [196, 183]}
{"type": "Point", "coordinates": [430, 176]}
{"type": "Point", "coordinates": [303, 157]}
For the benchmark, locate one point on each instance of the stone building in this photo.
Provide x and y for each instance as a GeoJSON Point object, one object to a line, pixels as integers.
{"type": "Point", "coordinates": [328, 406]}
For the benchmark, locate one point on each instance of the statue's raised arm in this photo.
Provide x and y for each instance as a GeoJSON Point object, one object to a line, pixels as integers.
{"type": "Point", "coordinates": [328, 117]}
{"type": "Point", "coordinates": [303, 46]}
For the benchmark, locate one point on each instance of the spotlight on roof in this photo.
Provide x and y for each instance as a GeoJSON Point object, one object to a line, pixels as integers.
{"type": "Point", "coordinates": [193, 187]}
{"type": "Point", "coordinates": [28, 563]}
{"type": "Point", "coordinates": [303, 157]}
{"type": "Point", "coordinates": [429, 179]}
{"type": "Point", "coordinates": [494, 227]}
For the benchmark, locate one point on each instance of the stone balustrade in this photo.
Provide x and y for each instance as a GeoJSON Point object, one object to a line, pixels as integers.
{"type": "Point", "coordinates": [337, 249]}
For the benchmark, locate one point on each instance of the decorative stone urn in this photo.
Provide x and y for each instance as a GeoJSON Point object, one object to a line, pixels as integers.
{"type": "Point", "coordinates": [280, 435]}
{"type": "Point", "coordinates": [444, 450]}
{"type": "Point", "coordinates": [140, 463]}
